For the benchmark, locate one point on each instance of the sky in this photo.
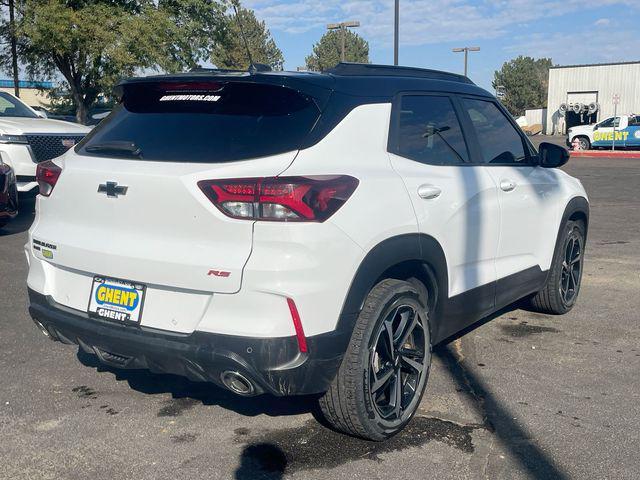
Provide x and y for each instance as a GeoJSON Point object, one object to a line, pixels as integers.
{"type": "Point", "coordinates": [567, 31]}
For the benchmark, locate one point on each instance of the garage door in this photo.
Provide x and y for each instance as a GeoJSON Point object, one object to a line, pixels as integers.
{"type": "Point", "coordinates": [582, 97]}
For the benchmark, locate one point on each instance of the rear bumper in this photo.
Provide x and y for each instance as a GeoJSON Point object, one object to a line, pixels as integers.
{"type": "Point", "coordinates": [274, 365]}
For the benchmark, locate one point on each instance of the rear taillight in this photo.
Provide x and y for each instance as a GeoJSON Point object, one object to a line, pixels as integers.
{"type": "Point", "coordinates": [47, 174]}
{"type": "Point", "coordinates": [284, 199]}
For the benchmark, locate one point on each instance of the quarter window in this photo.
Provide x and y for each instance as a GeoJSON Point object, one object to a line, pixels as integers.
{"type": "Point", "coordinates": [429, 131]}
{"type": "Point", "coordinates": [499, 141]}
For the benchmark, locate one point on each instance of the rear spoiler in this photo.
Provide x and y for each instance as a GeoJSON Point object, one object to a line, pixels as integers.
{"type": "Point", "coordinates": [317, 86]}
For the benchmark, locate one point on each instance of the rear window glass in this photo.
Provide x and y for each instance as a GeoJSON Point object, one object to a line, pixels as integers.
{"type": "Point", "coordinates": [203, 122]}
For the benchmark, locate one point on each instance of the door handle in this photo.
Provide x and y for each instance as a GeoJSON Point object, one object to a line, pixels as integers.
{"type": "Point", "coordinates": [507, 185]}
{"type": "Point", "coordinates": [428, 192]}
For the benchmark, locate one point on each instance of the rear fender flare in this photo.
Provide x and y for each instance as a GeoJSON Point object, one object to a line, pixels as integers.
{"type": "Point", "coordinates": [385, 255]}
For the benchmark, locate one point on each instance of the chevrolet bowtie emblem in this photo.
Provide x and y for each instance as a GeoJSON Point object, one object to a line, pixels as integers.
{"type": "Point", "coordinates": [112, 189]}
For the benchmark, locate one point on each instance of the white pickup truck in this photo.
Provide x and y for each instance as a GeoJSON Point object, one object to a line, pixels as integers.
{"type": "Point", "coordinates": [27, 139]}
{"type": "Point", "coordinates": [627, 133]}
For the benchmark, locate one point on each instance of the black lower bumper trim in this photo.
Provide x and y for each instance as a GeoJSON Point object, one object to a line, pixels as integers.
{"type": "Point", "coordinates": [275, 365]}
{"type": "Point", "coordinates": [25, 178]}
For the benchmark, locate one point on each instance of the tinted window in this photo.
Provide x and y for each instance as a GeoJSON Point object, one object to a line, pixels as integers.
{"type": "Point", "coordinates": [204, 122]}
{"type": "Point", "coordinates": [429, 131]}
{"type": "Point", "coordinates": [609, 122]}
{"type": "Point", "coordinates": [12, 107]}
{"type": "Point", "coordinates": [499, 141]}
{"type": "Point", "coordinates": [634, 121]}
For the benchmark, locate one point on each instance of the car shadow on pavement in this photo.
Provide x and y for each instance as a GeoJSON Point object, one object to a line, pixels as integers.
{"type": "Point", "coordinates": [270, 458]}
{"type": "Point", "coordinates": [24, 219]}
{"type": "Point", "coordinates": [497, 418]}
{"type": "Point", "coordinates": [186, 393]}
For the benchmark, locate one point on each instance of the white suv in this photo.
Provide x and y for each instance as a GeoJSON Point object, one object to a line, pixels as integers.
{"type": "Point", "coordinates": [301, 233]}
{"type": "Point", "coordinates": [26, 138]}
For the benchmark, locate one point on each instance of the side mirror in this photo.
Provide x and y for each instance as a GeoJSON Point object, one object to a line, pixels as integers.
{"type": "Point", "coordinates": [41, 114]}
{"type": "Point", "coordinates": [596, 127]}
{"type": "Point", "coordinates": [552, 156]}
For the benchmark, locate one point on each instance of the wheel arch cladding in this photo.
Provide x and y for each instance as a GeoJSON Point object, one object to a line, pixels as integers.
{"type": "Point", "coordinates": [576, 209]}
{"type": "Point", "coordinates": [413, 255]}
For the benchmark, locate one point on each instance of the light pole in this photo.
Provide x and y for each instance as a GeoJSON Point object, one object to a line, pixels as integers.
{"type": "Point", "coordinates": [14, 53]}
{"type": "Point", "coordinates": [342, 26]}
{"type": "Point", "coordinates": [396, 32]}
{"type": "Point", "coordinates": [466, 51]}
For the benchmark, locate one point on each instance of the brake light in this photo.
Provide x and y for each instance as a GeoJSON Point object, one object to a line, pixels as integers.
{"type": "Point", "coordinates": [47, 174]}
{"type": "Point", "coordinates": [284, 199]}
{"type": "Point", "coordinates": [191, 86]}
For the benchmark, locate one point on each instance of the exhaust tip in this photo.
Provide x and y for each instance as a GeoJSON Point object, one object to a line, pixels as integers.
{"type": "Point", "coordinates": [43, 329]}
{"type": "Point", "coordinates": [238, 383]}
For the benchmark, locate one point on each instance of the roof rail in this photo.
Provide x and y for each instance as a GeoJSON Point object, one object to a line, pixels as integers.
{"type": "Point", "coordinates": [253, 68]}
{"type": "Point", "coordinates": [215, 70]}
{"type": "Point", "coordinates": [368, 69]}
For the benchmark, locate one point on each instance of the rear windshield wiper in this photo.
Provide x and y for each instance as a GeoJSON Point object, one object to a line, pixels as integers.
{"type": "Point", "coordinates": [118, 146]}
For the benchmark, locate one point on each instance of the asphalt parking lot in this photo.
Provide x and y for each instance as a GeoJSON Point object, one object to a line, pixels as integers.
{"type": "Point", "coordinates": [522, 396]}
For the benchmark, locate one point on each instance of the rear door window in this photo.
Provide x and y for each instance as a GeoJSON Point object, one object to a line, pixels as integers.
{"type": "Point", "coordinates": [203, 122]}
{"type": "Point", "coordinates": [428, 131]}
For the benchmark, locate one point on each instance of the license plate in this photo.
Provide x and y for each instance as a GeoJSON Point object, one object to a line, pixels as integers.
{"type": "Point", "coordinates": [117, 300]}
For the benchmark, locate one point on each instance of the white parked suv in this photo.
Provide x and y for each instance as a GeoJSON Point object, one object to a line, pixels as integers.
{"type": "Point", "coordinates": [26, 139]}
{"type": "Point", "coordinates": [301, 233]}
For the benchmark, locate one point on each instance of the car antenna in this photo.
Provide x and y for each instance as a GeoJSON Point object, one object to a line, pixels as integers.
{"type": "Point", "coordinates": [253, 67]}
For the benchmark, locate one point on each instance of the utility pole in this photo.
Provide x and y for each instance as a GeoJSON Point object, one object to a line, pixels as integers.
{"type": "Point", "coordinates": [342, 26]}
{"type": "Point", "coordinates": [466, 51]}
{"type": "Point", "coordinates": [14, 49]}
{"type": "Point", "coordinates": [396, 32]}
{"type": "Point", "coordinates": [616, 101]}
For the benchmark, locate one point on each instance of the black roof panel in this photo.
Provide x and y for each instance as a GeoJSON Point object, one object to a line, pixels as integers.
{"type": "Point", "coordinates": [363, 80]}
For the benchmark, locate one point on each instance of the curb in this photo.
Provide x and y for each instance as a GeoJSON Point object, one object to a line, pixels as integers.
{"type": "Point", "coordinates": [605, 153]}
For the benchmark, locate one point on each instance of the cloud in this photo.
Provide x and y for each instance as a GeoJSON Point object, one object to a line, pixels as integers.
{"type": "Point", "coordinates": [602, 22]}
{"type": "Point", "coordinates": [606, 46]}
{"type": "Point", "coordinates": [423, 22]}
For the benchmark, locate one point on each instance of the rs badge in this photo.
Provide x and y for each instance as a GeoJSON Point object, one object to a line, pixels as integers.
{"type": "Point", "coordinates": [218, 273]}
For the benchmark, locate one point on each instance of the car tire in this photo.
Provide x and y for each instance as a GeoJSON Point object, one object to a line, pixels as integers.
{"type": "Point", "coordinates": [561, 289]}
{"type": "Point", "coordinates": [384, 372]}
{"type": "Point", "coordinates": [585, 144]}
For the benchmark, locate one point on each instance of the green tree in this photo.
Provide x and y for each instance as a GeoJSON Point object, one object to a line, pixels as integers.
{"type": "Point", "coordinates": [92, 44]}
{"type": "Point", "coordinates": [327, 52]}
{"type": "Point", "coordinates": [232, 52]}
{"type": "Point", "coordinates": [525, 81]}
{"type": "Point", "coordinates": [197, 27]}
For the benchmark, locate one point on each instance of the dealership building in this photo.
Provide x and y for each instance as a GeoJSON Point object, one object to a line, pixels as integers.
{"type": "Point", "coordinates": [584, 94]}
{"type": "Point", "coordinates": [31, 93]}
